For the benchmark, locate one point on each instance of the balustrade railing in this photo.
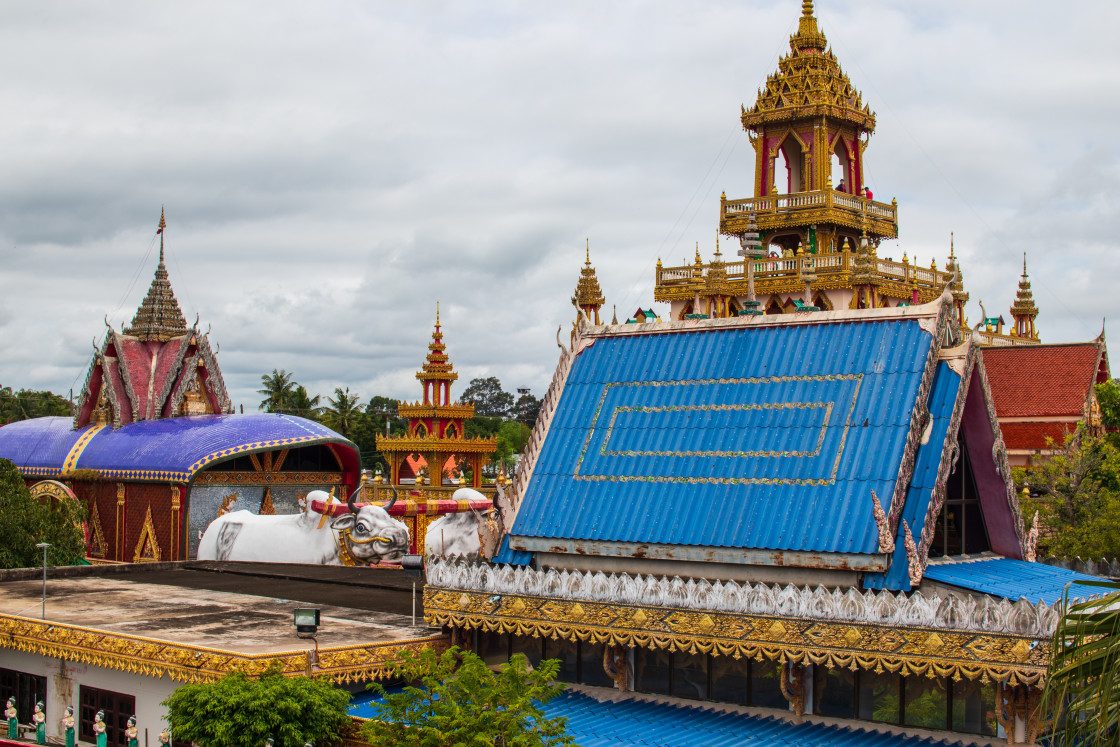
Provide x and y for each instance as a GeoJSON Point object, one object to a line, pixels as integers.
{"type": "Point", "coordinates": [829, 263]}
{"type": "Point", "coordinates": [761, 206]}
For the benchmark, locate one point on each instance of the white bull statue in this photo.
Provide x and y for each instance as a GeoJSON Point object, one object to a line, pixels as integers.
{"type": "Point", "coordinates": [465, 533]}
{"type": "Point", "coordinates": [364, 536]}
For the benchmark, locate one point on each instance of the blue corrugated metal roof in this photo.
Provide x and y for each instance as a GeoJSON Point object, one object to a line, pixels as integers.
{"type": "Point", "coordinates": [943, 397]}
{"type": "Point", "coordinates": [172, 449]}
{"type": "Point", "coordinates": [1014, 579]}
{"type": "Point", "coordinates": [751, 437]}
{"type": "Point", "coordinates": [594, 723]}
{"type": "Point", "coordinates": [506, 556]}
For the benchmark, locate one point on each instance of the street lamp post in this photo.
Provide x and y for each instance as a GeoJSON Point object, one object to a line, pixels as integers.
{"type": "Point", "coordinates": [43, 546]}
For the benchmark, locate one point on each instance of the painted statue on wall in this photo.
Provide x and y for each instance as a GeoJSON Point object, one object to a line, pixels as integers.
{"type": "Point", "coordinates": [363, 536]}
{"type": "Point", "coordinates": [11, 713]}
{"type": "Point", "coordinates": [164, 737]}
{"type": "Point", "coordinates": [99, 729]}
{"type": "Point", "coordinates": [39, 718]}
{"type": "Point", "coordinates": [132, 732]}
{"type": "Point", "coordinates": [68, 727]}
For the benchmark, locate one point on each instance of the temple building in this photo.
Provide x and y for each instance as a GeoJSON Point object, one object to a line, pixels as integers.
{"type": "Point", "coordinates": [810, 511]}
{"type": "Point", "coordinates": [1042, 392]}
{"type": "Point", "coordinates": [432, 460]}
{"type": "Point", "coordinates": [811, 236]}
{"type": "Point", "coordinates": [154, 449]}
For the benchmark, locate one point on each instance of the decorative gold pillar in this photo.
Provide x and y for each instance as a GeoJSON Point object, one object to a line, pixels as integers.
{"type": "Point", "coordinates": [176, 524]}
{"type": "Point", "coordinates": [120, 523]}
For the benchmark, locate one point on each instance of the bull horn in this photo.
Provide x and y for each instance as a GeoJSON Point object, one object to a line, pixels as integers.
{"type": "Point", "coordinates": [395, 496]}
{"type": "Point", "coordinates": [350, 500]}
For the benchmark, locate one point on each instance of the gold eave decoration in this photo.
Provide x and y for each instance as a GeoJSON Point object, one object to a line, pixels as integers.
{"type": "Point", "coordinates": [460, 445]}
{"type": "Point", "coordinates": [185, 663]}
{"type": "Point", "coordinates": [1012, 659]}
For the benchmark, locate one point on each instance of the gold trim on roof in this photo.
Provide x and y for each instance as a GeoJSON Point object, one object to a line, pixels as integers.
{"type": "Point", "coordinates": [913, 651]}
{"type": "Point", "coordinates": [186, 663]}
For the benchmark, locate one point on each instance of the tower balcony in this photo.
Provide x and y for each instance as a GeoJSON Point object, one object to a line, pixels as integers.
{"type": "Point", "coordinates": [786, 275]}
{"type": "Point", "coordinates": [798, 210]}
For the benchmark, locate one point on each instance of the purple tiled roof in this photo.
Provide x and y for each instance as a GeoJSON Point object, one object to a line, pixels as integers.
{"type": "Point", "coordinates": [172, 449]}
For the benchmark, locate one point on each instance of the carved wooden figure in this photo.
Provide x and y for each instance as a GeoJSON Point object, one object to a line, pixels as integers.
{"type": "Point", "coordinates": [11, 713]}
{"type": "Point", "coordinates": [68, 726]}
{"type": "Point", "coordinates": [39, 718]}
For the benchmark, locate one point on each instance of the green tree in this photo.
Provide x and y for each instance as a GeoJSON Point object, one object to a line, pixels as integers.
{"type": "Point", "coordinates": [343, 412]}
{"type": "Point", "coordinates": [25, 521]}
{"type": "Point", "coordinates": [512, 437]}
{"type": "Point", "coordinates": [1108, 397]}
{"type": "Point", "coordinates": [488, 398]}
{"type": "Point", "coordinates": [236, 711]}
{"type": "Point", "coordinates": [1076, 492]}
{"type": "Point", "coordinates": [1083, 680]}
{"type": "Point", "coordinates": [29, 403]}
{"type": "Point", "coordinates": [299, 403]}
{"type": "Point", "coordinates": [277, 388]}
{"type": "Point", "coordinates": [527, 408]}
{"type": "Point", "coordinates": [461, 701]}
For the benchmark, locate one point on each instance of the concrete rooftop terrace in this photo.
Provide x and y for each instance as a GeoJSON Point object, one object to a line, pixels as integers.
{"type": "Point", "coordinates": [195, 621]}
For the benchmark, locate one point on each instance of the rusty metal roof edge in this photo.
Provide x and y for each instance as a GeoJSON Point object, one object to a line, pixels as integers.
{"type": "Point", "coordinates": [740, 556]}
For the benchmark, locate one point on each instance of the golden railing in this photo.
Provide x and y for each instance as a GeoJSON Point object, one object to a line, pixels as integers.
{"type": "Point", "coordinates": [821, 264]}
{"type": "Point", "coordinates": [855, 205]}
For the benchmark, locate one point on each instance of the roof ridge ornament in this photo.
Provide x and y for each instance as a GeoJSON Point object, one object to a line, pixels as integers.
{"type": "Point", "coordinates": [886, 536]}
{"type": "Point", "coordinates": [914, 562]}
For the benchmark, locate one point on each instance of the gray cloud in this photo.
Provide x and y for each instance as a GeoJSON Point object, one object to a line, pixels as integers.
{"type": "Point", "coordinates": [331, 170]}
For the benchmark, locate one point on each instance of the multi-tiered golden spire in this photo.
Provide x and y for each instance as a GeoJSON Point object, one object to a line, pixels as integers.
{"type": "Point", "coordinates": [589, 296]}
{"type": "Point", "coordinates": [1024, 309]}
{"type": "Point", "coordinates": [159, 316]}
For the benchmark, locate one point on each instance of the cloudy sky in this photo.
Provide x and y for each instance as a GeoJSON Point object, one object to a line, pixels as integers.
{"type": "Point", "coordinates": [331, 169]}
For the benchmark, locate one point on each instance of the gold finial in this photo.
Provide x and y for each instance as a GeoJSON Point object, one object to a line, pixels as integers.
{"type": "Point", "coordinates": [1024, 264]}
{"type": "Point", "coordinates": [437, 312]}
{"type": "Point", "coordinates": [951, 254]}
{"type": "Point", "coordinates": [162, 222]}
{"type": "Point", "coordinates": [807, 8]}
{"type": "Point", "coordinates": [588, 240]}
{"type": "Point", "coordinates": [698, 261]}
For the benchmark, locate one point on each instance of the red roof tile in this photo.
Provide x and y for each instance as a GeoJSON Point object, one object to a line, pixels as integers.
{"type": "Point", "coordinates": [1032, 436]}
{"type": "Point", "coordinates": [1042, 380]}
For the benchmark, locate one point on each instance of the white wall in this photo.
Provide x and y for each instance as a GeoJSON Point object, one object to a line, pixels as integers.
{"type": "Point", "coordinates": [64, 678]}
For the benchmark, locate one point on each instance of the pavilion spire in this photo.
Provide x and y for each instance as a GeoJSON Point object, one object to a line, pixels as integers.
{"type": "Point", "coordinates": [159, 316]}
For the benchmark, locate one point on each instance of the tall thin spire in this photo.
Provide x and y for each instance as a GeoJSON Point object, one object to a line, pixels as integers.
{"type": "Point", "coordinates": [159, 316]}
{"type": "Point", "coordinates": [162, 225]}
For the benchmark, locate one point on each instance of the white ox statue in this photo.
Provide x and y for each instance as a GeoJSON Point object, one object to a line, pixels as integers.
{"type": "Point", "coordinates": [364, 536]}
{"type": "Point", "coordinates": [466, 533]}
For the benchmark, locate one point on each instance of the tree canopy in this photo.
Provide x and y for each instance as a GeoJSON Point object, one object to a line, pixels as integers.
{"type": "Point", "coordinates": [457, 700]}
{"type": "Point", "coordinates": [25, 521]}
{"type": "Point", "coordinates": [1076, 489]}
{"type": "Point", "coordinates": [488, 398]}
{"type": "Point", "coordinates": [29, 403]}
{"type": "Point", "coordinates": [237, 711]}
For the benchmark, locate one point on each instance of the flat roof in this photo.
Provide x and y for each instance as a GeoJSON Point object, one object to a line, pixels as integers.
{"type": "Point", "coordinates": [195, 621]}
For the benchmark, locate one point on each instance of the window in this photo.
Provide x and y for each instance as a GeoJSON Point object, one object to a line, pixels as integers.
{"type": "Point", "coordinates": [960, 527]}
{"type": "Point", "coordinates": [963, 706]}
{"type": "Point", "coordinates": [27, 689]}
{"type": "Point", "coordinates": [118, 709]}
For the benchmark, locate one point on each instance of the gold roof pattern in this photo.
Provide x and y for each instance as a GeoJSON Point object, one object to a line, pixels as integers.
{"type": "Point", "coordinates": [159, 316]}
{"type": "Point", "coordinates": [588, 292]}
{"type": "Point", "coordinates": [809, 83]}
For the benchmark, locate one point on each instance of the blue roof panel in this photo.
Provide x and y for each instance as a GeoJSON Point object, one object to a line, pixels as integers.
{"type": "Point", "coordinates": [172, 449]}
{"type": "Point", "coordinates": [943, 398]}
{"type": "Point", "coordinates": [636, 721]}
{"type": "Point", "coordinates": [745, 437]}
{"type": "Point", "coordinates": [1014, 579]}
